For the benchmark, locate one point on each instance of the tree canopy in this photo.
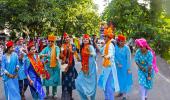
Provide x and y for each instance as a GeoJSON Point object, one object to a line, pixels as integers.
{"type": "Point", "coordinates": [137, 20]}
{"type": "Point", "coordinates": [44, 16]}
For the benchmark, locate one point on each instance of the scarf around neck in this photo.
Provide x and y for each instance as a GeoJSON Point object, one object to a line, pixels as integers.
{"type": "Point", "coordinates": [53, 59]}
{"type": "Point", "coordinates": [68, 54]}
{"type": "Point", "coordinates": [85, 58]}
{"type": "Point", "coordinates": [106, 61]}
{"type": "Point", "coordinates": [38, 66]}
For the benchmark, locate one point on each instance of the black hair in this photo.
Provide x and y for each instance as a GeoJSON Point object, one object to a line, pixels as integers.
{"type": "Point", "coordinates": [7, 49]}
{"type": "Point", "coordinates": [29, 48]}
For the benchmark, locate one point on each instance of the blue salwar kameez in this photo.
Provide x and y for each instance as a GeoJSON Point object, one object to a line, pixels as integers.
{"type": "Point", "coordinates": [54, 72]}
{"type": "Point", "coordinates": [123, 64]}
{"type": "Point", "coordinates": [11, 85]}
{"type": "Point", "coordinates": [86, 83]}
{"type": "Point", "coordinates": [144, 60]}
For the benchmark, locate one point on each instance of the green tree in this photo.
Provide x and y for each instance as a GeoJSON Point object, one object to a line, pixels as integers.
{"type": "Point", "coordinates": [137, 20]}
{"type": "Point", "coordinates": [44, 16]}
{"type": "Point", "coordinates": [129, 16]}
{"type": "Point", "coordinates": [77, 16]}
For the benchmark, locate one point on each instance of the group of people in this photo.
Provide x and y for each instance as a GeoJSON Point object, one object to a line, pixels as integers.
{"type": "Point", "coordinates": [23, 67]}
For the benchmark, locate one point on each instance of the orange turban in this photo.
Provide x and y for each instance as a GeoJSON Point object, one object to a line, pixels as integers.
{"type": "Point", "coordinates": [121, 38]}
{"type": "Point", "coordinates": [108, 32]}
{"type": "Point", "coordinates": [51, 37]}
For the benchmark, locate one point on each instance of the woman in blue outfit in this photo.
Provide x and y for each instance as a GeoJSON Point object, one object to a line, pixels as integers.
{"type": "Point", "coordinates": [10, 67]}
{"type": "Point", "coordinates": [146, 61]}
{"type": "Point", "coordinates": [108, 80]}
{"type": "Point", "coordinates": [123, 65]}
{"type": "Point", "coordinates": [86, 81]}
{"type": "Point", "coordinates": [32, 70]}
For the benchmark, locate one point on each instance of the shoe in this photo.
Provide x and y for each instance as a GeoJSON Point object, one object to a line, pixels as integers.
{"type": "Point", "coordinates": [23, 97]}
{"type": "Point", "coordinates": [47, 97]}
{"type": "Point", "coordinates": [72, 98]}
{"type": "Point", "coordinates": [119, 95]}
{"type": "Point", "coordinates": [54, 97]}
{"type": "Point", "coordinates": [146, 98]}
{"type": "Point", "coordinates": [124, 98]}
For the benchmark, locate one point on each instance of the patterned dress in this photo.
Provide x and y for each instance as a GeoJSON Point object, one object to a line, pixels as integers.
{"type": "Point", "coordinates": [145, 61]}
{"type": "Point", "coordinates": [68, 78]}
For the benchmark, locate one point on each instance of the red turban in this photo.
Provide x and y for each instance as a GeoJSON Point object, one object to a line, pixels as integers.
{"type": "Point", "coordinates": [9, 44]}
{"type": "Point", "coordinates": [65, 35]}
{"type": "Point", "coordinates": [30, 44]}
{"type": "Point", "coordinates": [86, 36]}
{"type": "Point", "coordinates": [121, 38]}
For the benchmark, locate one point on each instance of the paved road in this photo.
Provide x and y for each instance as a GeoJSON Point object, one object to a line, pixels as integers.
{"type": "Point", "coordinates": [160, 90]}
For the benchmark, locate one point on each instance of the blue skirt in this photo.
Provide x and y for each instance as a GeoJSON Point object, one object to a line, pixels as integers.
{"type": "Point", "coordinates": [11, 87]}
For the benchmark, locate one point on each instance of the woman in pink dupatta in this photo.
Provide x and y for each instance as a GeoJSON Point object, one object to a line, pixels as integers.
{"type": "Point", "coordinates": [145, 59]}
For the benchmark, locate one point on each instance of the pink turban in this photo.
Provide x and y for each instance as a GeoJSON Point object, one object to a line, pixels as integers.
{"type": "Point", "coordinates": [143, 43]}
